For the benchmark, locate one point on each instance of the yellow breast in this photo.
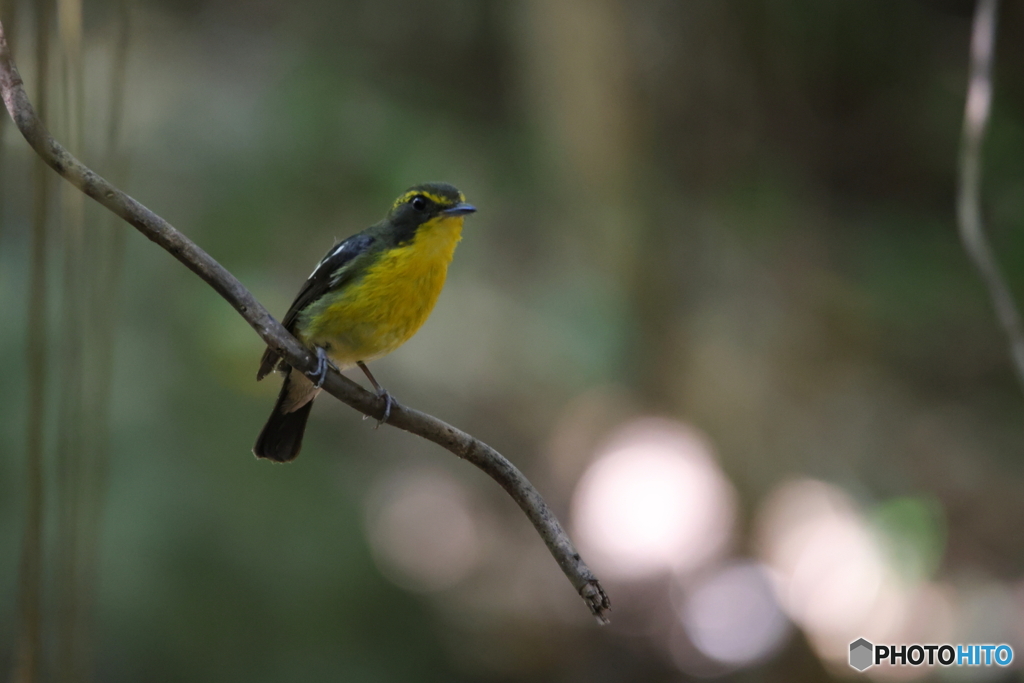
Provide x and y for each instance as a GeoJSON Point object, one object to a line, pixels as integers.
{"type": "Point", "coordinates": [376, 314]}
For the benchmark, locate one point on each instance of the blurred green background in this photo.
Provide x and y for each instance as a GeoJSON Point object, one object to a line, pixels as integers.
{"type": "Point", "coordinates": [713, 236]}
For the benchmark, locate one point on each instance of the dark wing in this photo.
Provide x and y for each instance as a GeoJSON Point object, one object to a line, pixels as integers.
{"type": "Point", "coordinates": [328, 274]}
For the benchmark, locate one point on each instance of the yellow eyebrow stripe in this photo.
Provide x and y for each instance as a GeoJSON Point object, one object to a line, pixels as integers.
{"type": "Point", "coordinates": [437, 199]}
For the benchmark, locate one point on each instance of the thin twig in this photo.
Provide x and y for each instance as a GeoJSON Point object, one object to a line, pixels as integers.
{"type": "Point", "coordinates": [105, 256]}
{"type": "Point", "coordinates": [29, 659]}
{"type": "Point", "coordinates": [976, 113]}
{"type": "Point", "coordinates": [297, 355]}
{"type": "Point", "coordinates": [71, 452]}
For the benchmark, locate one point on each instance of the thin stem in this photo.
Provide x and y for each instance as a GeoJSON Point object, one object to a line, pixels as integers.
{"type": "Point", "coordinates": [105, 255]}
{"type": "Point", "coordinates": [976, 113]}
{"type": "Point", "coordinates": [71, 464]}
{"type": "Point", "coordinates": [29, 660]}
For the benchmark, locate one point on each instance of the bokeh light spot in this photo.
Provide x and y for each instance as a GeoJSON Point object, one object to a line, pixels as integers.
{"type": "Point", "coordinates": [653, 501]}
{"type": "Point", "coordinates": [733, 616]}
{"type": "Point", "coordinates": [421, 530]}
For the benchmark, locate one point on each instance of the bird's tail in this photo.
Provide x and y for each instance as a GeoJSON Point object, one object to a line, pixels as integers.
{"type": "Point", "coordinates": [281, 438]}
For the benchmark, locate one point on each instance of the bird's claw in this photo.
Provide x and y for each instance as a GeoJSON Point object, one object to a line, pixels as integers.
{"type": "Point", "coordinates": [388, 402]}
{"type": "Point", "coordinates": [381, 393]}
{"type": "Point", "coordinates": [319, 376]}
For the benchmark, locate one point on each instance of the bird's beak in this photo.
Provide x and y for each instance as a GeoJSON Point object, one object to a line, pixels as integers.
{"type": "Point", "coordinates": [460, 209]}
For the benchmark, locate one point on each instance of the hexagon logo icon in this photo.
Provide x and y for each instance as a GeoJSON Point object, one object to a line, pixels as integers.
{"type": "Point", "coordinates": [861, 654]}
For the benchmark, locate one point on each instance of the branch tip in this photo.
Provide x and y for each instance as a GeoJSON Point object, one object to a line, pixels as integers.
{"type": "Point", "coordinates": [597, 600]}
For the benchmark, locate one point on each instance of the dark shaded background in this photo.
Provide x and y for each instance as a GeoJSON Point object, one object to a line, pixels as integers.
{"type": "Point", "coordinates": [735, 216]}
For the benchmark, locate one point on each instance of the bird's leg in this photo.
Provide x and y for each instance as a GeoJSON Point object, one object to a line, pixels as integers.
{"type": "Point", "coordinates": [381, 391]}
{"type": "Point", "coordinates": [322, 363]}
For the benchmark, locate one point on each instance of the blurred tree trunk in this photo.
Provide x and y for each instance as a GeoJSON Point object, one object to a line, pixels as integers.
{"type": "Point", "coordinates": [582, 79]}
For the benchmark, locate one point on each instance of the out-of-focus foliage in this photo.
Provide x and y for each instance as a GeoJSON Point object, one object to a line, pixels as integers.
{"type": "Point", "coordinates": [736, 216]}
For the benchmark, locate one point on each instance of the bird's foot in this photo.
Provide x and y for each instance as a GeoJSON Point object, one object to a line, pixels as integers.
{"type": "Point", "coordinates": [381, 393]}
{"type": "Point", "coordinates": [319, 376]}
{"type": "Point", "coordinates": [389, 401]}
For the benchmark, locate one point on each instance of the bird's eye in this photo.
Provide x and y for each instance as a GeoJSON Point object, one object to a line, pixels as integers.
{"type": "Point", "coordinates": [419, 203]}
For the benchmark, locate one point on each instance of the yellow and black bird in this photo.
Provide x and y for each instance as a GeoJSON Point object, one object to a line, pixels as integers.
{"type": "Point", "coordinates": [365, 298]}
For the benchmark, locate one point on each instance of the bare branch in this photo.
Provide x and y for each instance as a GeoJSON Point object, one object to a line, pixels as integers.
{"type": "Point", "coordinates": [976, 113]}
{"type": "Point", "coordinates": [297, 355]}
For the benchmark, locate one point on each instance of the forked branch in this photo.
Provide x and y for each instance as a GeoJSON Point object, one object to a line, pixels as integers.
{"type": "Point", "coordinates": [298, 356]}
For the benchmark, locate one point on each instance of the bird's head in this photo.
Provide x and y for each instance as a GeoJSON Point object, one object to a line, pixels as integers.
{"type": "Point", "coordinates": [427, 205]}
